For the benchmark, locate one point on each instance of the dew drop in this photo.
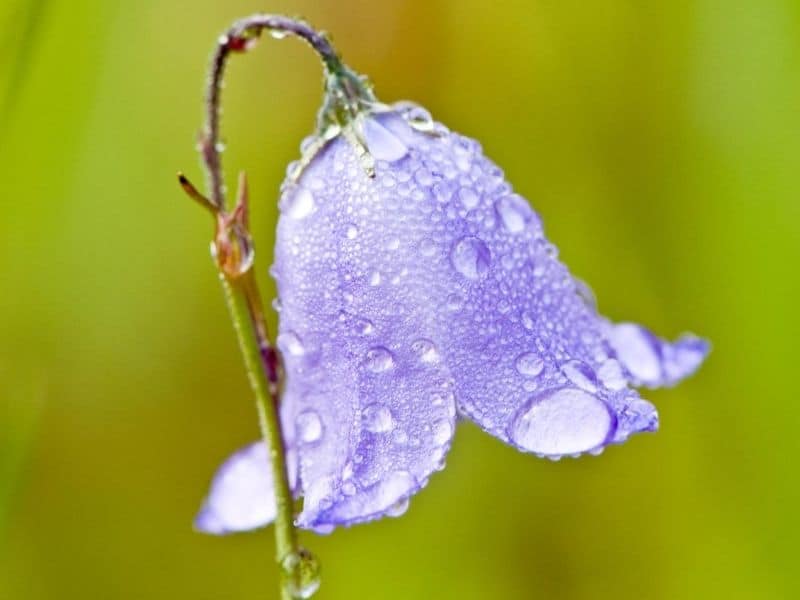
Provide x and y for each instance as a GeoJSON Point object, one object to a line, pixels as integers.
{"type": "Point", "coordinates": [527, 320]}
{"type": "Point", "coordinates": [297, 202]}
{"type": "Point", "coordinates": [426, 350]}
{"type": "Point", "coordinates": [529, 364]}
{"type": "Point", "coordinates": [427, 247]}
{"type": "Point", "coordinates": [379, 359]}
{"type": "Point", "coordinates": [290, 344]}
{"type": "Point", "coordinates": [301, 570]}
{"type": "Point", "coordinates": [382, 143]}
{"type": "Point", "coordinates": [351, 232]}
{"type": "Point", "coordinates": [442, 432]}
{"type": "Point", "coordinates": [562, 421]}
{"type": "Point", "coordinates": [586, 294]}
{"type": "Point", "coordinates": [399, 508]}
{"type": "Point", "coordinates": [468, 197]}
{"type": "Point", "coordinates": [363, 326]}
{"type": "Point", "coordinates": [419, 118]}
{"type": "Point", "coordinates": [377, 418]}
{"type": "Point", "coordinates": [513, 211]}
{"type": "Point", "coordinates": [455, 302]}
{"type": "Point", "coordinates": [470, 257]}
{"type": "Point", "coordinates": [309, 426]}
{"type": "Point", "coordinates": [399, 437]}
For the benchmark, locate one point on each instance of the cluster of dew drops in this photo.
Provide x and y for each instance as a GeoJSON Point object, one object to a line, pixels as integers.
{"type": "Point", "coordinates": [460, 189]}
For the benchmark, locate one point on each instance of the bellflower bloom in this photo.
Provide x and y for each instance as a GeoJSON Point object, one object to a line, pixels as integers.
{"type": "Point", "coordinates": [418, 297]}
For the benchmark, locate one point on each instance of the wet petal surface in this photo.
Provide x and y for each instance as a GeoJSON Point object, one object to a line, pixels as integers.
{"type": "Point", "coordinates": [438, 247]}
{"type": "Point", "coordinates": [359, 350]}
{"type": "Point", "coordinates": [431, 289]}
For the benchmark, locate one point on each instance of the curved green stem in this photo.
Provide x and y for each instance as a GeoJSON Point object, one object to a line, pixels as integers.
{"type": "Point", "coordinates": [346, 95]}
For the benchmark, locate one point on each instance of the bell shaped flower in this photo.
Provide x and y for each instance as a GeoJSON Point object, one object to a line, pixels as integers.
{"type": "Point", "coordinates": [417, 290]}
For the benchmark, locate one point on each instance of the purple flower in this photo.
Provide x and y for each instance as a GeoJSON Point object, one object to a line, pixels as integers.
{"type": "Point", "coordinates": [413, 299]}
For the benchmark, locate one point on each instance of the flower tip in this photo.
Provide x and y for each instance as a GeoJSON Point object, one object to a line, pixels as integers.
{"type": "Point", "coordinates": [207, 521]}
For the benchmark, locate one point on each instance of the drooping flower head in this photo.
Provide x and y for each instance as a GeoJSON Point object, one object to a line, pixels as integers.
{"type": "Point", "coordinates": [417, 289]}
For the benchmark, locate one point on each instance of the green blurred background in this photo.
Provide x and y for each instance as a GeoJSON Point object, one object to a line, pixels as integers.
{"type": "Point", "coordinates": [659, 141]}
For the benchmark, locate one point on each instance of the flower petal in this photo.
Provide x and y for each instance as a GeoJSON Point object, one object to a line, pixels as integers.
{"type": "Point", "coordinates": [653, 362]}
{"type": "Point", "coordinates": [357, 345]}
{"type": "Point", "coordinates": [242, 495]}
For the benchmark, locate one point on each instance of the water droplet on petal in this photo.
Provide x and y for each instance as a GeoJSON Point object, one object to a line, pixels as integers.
{"type": "Point", "coordinates": [527, 320]}
{"type": "Point", "coordinates": [562, 421]}
{"type": "Point", "coordinates": [470, 257]}
{"type": "Point", "coordinates": [529, 364]}
{"type": "Point", "coordinates": [377, 418]}
{"type": "Point", "coordinates": [426, 350]}
{"type": "Point", "coordinates": [442, 432]}
{"type": "Point", "coordinates": [290, 344]}
{"type": "Point", "coordinates": [351, 232]}
{"type": "Point", "coordinates": [427, 247]}
{"type": "Point", "coordinates": [514, 212]}
{"type": "Point", "coordinates": [455, 302]}
{"type": "Point", "coordinates": [580, 374]}
{"type": "Point", "coordinates": [419, 118]}
{"type": "Point", "coordinates": [309, 426]}
{"type": "Point", "coordinates": [363, 326]}
{"type": "Point", "coordinates": [379, 359]}
{"type": "Point", "coordinates": [586, 294]}
{"type": "Point", "coordinates": [399, 508]}
{"type": "Point", "coordinates": [375, 278]}
{"type": "Point", "coordinates": [297, 202]}
{"type": "Point", "coordinates": [468, 197]}
{"type": "Point", "coordinates": [382, 143]}
{"type": "Point", "coordinates": [399, 437]}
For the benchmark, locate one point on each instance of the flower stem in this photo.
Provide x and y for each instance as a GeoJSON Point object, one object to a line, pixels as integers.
{"type": "Point", "coordinates": [233, 251]}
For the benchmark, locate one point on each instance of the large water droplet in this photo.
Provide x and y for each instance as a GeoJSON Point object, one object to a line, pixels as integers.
{"type": "Point", "coordinates": [580, 374]}
{"type": "Point", "coordinates": [513, 211]}
{"type": "Point", "coordinates": [309, 426]}
{"type": "Point", "coordinates": [529, 364]}
{"type": "Point", "coordinates": [562, 421]}
{"type": "Point", "coordinates": [301, 574]}
{"type": "Point", "coordinates": [377, 418]}
{"type": "Point", "coordinates": [382, 143]}
{"type": "Point", "coordinates": [471, 257]}
{"type": "Point", "coordinates": [297, 202]}
{"type": "Point", "coordinates": [379, 359]}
